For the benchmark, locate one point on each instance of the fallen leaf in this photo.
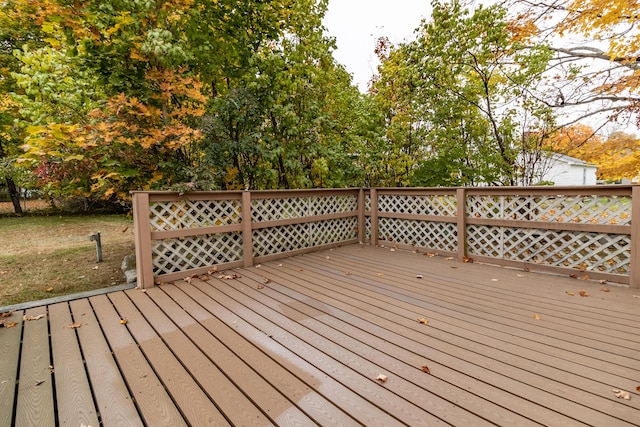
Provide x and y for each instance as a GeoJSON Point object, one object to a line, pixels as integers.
{"type": "Point", "coordinates": [74, 326]}
{"type": "Point", "coordinates": [453, 266]}
{"type": "Point", "coordinates": [347, 273]}
{"type": "Point", "coordinates": [573, 276]}
{"type": "Point", "coordinates": [38, 317]}
{"type": "Point", "coordinates": [380, 274]}
{"type": "Point", "coordinates": [327, 257]}
{"type": "Point", "coordinates": [602, 282]}
{"type": "Point", "coordinates": [10, 324]}
{"type": "Point", "coordinates": [423, 321]}
{"type": "Point", "coordinates": [536, 316]}
{"type": "Point", "coordinates": [51, 370]}
{"type": "Point", "coordinates": [430, 254]}
{"type": "Point", "coordinates": [520, 276]}
{"type": "Point", "coordinates": [260, 287]}
{"type": "Point", "coordinates": [229, 276]}
{"type": "Point", "coordinates": [39, 382]}
{"type": "Point", "coordinates": [425, 369]}
{"type": "Point", "coordinates": [95, 268]}
{"type": "Point", "coordinates": [467, 259]}
{"type": "Point", "coordinates": [392, 250]}
{"type": "Point", "coordinates": [212, 270]}
{"type": "Point", "coordinates": [279, 265]}
{"type": "Point", "coordinates": [527, 269]}
{"type": "Point", "coordinates": [621, 394]}
{"type": "Point", "coordinates": [266, 280]}
{"type": "Point", "coordinates": [124, 230]}
{"type": "Point", "coordinates": [584, 277]}
{"type": "Point", "coordinates": [583, 293]}
{"type": "Point", "coordinates": [449, 258]}
{"type": "Point", "coordinates": [571, 293]}
{"type": "Point", "coordinates": [419, 276]}
{"type": "Point", "coordinates": [6, 314]}
{"type": "Point", "coordinates": [605, 289]}
{"type": "Point", "coordinates": [49, 289]}
{"type": "Point", "coordinates": [638, 388]}
{"type": "Point", "coordinates": [494, 280]}
{"type": "Point", "coordinates": [382, 378]}
{"type": "Point", "coordinates": [124, 321]}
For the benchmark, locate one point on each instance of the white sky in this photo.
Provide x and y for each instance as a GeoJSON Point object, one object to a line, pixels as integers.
{"type": "Point", "coordinates": [356, 24]}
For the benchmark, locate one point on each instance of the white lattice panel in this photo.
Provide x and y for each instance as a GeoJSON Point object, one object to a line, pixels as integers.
{"type": "Point", "coordinates": [276, 240]}
{"type": "Point", "coordinates": [172, 255]}
{"type": "Point", "coordinates": [579, 209]}
{"type": "Point", "coordinates": [334, 231]}
{"type": "Point", "coordinates": [434, 235]}
{"type": "Point", "coordinates": [607, 253]}
{"type": "Point", "coordinates": [367, 202]}
{"type": "Point", "coordinates": [176, 215]}
{"type": "Point", "coordinates": [332, 204]}
{"type": "Point", "coordinates": [432, 204]}
{"type": "Point", "coordinates": [275, 209]}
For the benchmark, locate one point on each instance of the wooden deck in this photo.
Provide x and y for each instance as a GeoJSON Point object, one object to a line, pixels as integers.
{"type": "Point", "coordinates": [301, 341]}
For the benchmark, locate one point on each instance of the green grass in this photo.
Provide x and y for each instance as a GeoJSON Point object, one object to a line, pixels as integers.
{"type": "Point", "coordinates": [43, 257]}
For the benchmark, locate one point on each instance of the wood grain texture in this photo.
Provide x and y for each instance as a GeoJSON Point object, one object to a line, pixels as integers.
{"type": "Point", "coordinates": [114, 402]}
{"type": "Point", "coordinates": [9, 356]}
{"type": "Point", "coordinates": [73, 393]}
{"type": "Point", "coordinates": [194, 404]}
{"type": "Point", "coordinates": [35, 406]}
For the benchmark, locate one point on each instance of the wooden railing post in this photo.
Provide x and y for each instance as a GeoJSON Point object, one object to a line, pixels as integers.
{"type": "Point", "coordinates": [634, 275]}
{"type": "Point", "coordinates": [461, 220]}
{"type": "Point", "coordinates": [361, 221]}
{"type": "Point", "coordinates": [142, 230]}
{"type": "Point", "coordinates": [247, 230]}
{"type": "Point", "coordinates": [374, 217]}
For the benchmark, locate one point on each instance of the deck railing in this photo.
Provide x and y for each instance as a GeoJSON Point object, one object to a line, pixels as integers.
{"type": "Point", "coordinates": [586, 232]}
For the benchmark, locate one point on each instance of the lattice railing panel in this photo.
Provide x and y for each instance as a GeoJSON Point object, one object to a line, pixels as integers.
{"type": "Point", "coordinates": [281, 208]}
{"type": "Point", "coordinates": [333, 231]}
{"type": "Point", "coordinates": [431, 204]}
{"type": "Point", "coordinates": [173, 255]}
{"type": "Point", "coordinates": [182, 214]}
{"type": "Point", "coordinates": [332, 204]}
{"type": "Point", "coordinates": [611, 210]}
{"type": "Point", "coordinates": [585, 251]}
{"type": "Point", "coordinates": [435, 235]}
{"type": "Point", "coordinates": [275, 240]}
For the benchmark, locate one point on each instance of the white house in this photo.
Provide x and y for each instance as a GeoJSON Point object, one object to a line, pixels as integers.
{"type": "Point", "coordinates": [566, 170]}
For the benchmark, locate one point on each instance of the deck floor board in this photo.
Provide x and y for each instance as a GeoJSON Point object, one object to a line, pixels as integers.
{"type": "Point", "coordinates": [300, 341]}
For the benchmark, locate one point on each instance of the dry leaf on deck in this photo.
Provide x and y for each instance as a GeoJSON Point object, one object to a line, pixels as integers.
{"type": "Point", "coordinates": [467, 259]}
{"type": "Point", "coordinates": [494, 280]}
{"type": "Point", "coordinates": [10, 324]}
{"type": "Point", "coordinates": [229, 276]}
{"type": "Point", "coordinates": [380, 274]}
{"type": "Point", "coordinates": [573, 276]}
{"type": "Point", "coordinates": [423, 321]}
{"type": "Point", "coordinates": [6, 314]}
{"type": "Point", "coordinates": [419, 276]}
{"type": "Point", "coordinates": [449, 258]}
{"type": "Point", "coordinates": [430, 254]}
{"type": "Point", "coordinates": [571, 293]}
{"type": "Point", "coordinates": [536, 316]}
{"type": "Point", "coordinates": [621, 394]}
{"type": "Point", "coordinates": [212, 270]}
{"type": "Point", "coordinates": [347, 273]}
{"type": "Point", "coordinates": [51, 370]}
{"type": "Point", "coordinates": [74, 326]}
{"type": "Point", "coordinates": [382, 378]}
{"type": "Point", "coordinates": [425, 369]}
{"type": "Point", "coordinates": [38, 317]}
{"type": "Point", "coordinates": [638, 388]}
{"type": "Point", "coordinates": [602, 282]}
{"type": "Point", "coordinates": [583, 293]}
{"type": "Point", "coordinates": [584, 277]}
{"type": "Point", "coordinates": [267, 280]}
{"type": "Point", "coordinates": [124, 321]}
{"type": "Point", "coordinates": [260, 287]}
{"type": "Point", "coordinates": [605, 289]}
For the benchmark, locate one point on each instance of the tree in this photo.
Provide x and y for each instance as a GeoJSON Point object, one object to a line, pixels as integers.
{"type": "Point", "coordinates": [594, 73]}
{"type": "Point", "coordinates": [461, 95]}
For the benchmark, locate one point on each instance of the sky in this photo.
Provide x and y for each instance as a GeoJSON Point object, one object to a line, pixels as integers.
{"type": "Point", "coordinates": [356, 24]}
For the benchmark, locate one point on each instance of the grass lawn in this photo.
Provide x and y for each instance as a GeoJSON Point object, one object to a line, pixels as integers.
{"type": "Point", "coordinates": [47, 256]}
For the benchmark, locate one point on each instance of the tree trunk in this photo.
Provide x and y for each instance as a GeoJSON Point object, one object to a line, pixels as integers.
{"type": "Point", "coordinates": [15, 195]}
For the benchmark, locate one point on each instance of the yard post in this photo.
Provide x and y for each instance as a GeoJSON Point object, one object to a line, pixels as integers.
{"type": "Point", "coordinates": [461, 219]}
{"type": "Point", "coordinates": [374, 217]}
{"type": "Point", "coordinates": [634, 277]}
{"type": "Point", "coordinates": [247, 231]}
{"type": "Point", "coordinates": [142, 233]}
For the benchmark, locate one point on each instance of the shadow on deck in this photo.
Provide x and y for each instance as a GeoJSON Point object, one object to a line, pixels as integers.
{"type": "Point", "coordinates": [302, 340]}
